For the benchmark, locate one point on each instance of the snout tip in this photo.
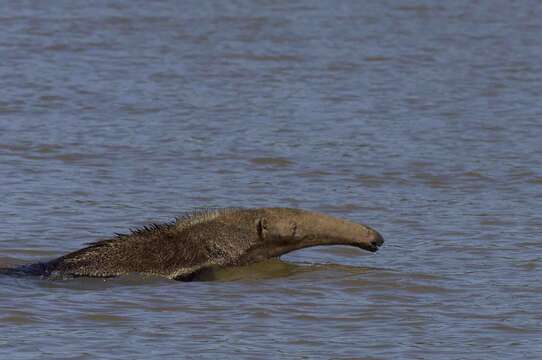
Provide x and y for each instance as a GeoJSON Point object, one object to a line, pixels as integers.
{"type": "Point", "coordinates": [376, 241]}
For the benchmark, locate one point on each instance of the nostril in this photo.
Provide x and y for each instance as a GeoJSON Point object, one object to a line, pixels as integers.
{"type": "Point", "coordinates": [378, 240]}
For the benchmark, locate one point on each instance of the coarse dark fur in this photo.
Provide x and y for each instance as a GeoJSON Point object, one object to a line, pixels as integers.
{"type": "Point", "coordinates": [204, 239]}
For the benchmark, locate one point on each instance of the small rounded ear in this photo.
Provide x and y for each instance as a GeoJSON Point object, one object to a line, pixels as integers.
{"type": "Point", "coordinates": [293, 228]}
{"type": "Point", "coordinates": [261, 227]}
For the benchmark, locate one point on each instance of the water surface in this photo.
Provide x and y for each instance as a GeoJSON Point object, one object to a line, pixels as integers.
{"type": "Point", "coordinates": [421, 119]}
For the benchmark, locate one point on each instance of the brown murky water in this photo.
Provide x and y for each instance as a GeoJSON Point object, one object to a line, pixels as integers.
{"type": "Point", "coordinates": [421, 119]}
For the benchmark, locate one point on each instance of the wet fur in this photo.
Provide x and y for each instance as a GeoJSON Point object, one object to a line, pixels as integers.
{"type": "Point", "coordinates": [166, 243]}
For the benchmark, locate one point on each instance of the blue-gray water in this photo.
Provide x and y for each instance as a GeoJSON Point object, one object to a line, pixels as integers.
{"type": "Point", "coordinates": [422, 119]}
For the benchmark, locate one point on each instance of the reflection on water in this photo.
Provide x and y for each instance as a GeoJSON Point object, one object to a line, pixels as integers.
{"type": "Point", "coordinates": [271, 269]}
{"type": "Point", "coordinates": [419, 119]}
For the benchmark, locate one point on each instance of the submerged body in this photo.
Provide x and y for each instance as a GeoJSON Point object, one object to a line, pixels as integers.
{"type": "Point", "coordinates": [229, 237]}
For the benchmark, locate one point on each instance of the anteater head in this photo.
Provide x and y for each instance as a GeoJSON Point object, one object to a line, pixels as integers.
{"type": "Point", "coordinates": [281, 230]}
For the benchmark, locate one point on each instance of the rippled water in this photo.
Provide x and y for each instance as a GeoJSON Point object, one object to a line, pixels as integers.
{"type": "Point", "coordinates": [422, 119]}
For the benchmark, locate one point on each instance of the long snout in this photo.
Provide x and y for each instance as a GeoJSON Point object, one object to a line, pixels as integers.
{"type": "Point", "coordinates": [329, 230]}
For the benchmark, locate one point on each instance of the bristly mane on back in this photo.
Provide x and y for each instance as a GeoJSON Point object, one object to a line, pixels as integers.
{"type": "Point", "coordinates": [201, 215]}
{"type": "Point", "coordinates": [184, 221]}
